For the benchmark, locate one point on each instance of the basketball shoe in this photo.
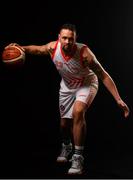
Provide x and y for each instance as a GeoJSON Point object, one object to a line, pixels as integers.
{"type": "Point", "coordinates": [65, 154]}
{"type": "Point", "coordinates": [77, 165]}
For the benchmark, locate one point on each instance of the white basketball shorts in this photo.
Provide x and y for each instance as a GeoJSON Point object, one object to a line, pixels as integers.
{"type": "Point", "coordinates": [67, 97]}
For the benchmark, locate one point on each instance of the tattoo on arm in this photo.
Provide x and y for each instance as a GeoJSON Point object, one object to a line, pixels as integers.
{"type": "Point", "coordinates": [98, 69]}
{"type": "Point", "coordinates": [51, 50]}
{"type": "Point", "coordinates": [95, 66]}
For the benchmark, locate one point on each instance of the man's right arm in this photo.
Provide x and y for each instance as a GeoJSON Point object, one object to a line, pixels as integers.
{"type": "Point", "coordinates": [36, 50]}
{"type": "Point", "coordinates": [46, 49]}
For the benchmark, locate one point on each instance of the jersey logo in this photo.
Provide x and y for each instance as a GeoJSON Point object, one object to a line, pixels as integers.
{"type": "Point", "coordinates": [58, 64]}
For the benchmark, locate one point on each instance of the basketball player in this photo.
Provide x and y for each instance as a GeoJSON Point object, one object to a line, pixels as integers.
{"type": "Point", "coordinates": [80, 70]}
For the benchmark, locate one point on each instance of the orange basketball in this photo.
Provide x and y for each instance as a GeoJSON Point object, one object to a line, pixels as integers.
{"type": "Point", "coordinates": [13, 55]}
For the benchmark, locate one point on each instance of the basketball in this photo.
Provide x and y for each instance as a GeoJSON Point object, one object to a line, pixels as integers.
{"type": "Point", "coordinates": [13, 55]}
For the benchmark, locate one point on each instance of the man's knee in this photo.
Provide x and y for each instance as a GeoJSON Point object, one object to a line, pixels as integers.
{"type": "Point", "coordinates": [79, 110]}
{"type": "Point", "coordinates": [78, 116]}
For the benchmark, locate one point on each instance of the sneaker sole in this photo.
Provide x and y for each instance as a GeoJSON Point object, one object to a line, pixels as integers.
{"type": "Point", "coordinates": [74, 174]}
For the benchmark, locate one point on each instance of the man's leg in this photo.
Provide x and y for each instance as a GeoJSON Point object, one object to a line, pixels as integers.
{"type": "Point", "coordinates": [79, 130]}
{"type": "Point", "coordinates": [79, 123]}
{"type": "Point", "coordinates": [79, 134]}
{"type": "Point", "coordinates": [66, 130]}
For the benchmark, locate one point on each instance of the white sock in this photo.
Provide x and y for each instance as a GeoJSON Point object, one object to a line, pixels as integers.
{"type": "Point", "coordinates": [79, 150]}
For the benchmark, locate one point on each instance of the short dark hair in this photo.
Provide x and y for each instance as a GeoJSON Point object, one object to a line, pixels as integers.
{"type": "Point", "coordinates": [69, 26]}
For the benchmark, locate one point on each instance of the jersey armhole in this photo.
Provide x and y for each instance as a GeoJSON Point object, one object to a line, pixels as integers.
{"type": "Point", "coordinates": [54, 50]}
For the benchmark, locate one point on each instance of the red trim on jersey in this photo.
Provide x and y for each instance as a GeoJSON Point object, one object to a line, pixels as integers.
{"type": "Point", "coordinates": [54, 49]}
{"type": "Point", "coordinates": [67, 58]}
{"type": "Point", "coordinates": [81, 54]}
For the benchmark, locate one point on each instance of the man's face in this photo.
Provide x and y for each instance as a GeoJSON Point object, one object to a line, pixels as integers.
{"type": "Point", "coordinates": [67, 39]}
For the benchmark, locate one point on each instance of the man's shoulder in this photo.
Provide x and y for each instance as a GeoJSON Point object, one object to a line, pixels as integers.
{"type": "Point", "coordinates": [52, 44]}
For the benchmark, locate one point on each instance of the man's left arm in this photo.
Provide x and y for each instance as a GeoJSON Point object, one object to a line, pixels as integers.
{"type": "Point", "coordinates": [102, 74]}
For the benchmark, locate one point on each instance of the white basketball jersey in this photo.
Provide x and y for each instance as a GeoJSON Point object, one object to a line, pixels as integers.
{"type": "Point", "coordinates": [72, 71]}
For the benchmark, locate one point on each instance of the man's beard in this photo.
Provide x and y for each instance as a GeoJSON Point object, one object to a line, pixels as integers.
{"type": "Point", "coordinates": [67, 49]}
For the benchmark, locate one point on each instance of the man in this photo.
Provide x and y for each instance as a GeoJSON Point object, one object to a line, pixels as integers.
{"type": "Point", "coordinates": [80, 71]}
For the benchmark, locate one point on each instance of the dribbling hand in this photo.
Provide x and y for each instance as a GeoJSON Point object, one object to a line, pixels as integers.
{"type": "Point", "coordinates": [124, 107]}
{"type": "Point", "coordinates": [15, 44]}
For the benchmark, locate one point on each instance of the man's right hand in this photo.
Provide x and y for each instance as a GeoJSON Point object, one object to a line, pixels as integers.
{"type": "Point", "coordinates": [15, 44]}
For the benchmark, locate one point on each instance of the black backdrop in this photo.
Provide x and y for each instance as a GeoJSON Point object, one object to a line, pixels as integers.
{"type": "Point", "coordinates": [29, 116]}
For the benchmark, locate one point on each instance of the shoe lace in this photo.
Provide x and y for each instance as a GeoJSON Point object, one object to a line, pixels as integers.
{"type": "Point", "coordinates": [77, 162]}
